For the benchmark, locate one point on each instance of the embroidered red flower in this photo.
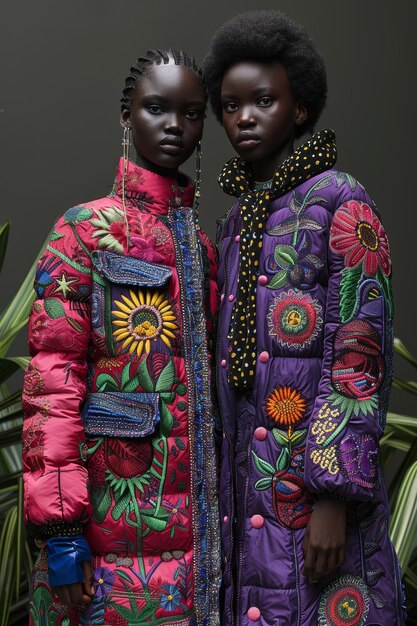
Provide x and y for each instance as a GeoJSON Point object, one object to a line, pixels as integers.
{"type": "Point", "coordinates": [359, 236]}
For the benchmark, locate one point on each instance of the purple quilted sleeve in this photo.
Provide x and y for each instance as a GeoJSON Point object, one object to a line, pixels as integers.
{"type": "Point", "coordinates": [342, 455]}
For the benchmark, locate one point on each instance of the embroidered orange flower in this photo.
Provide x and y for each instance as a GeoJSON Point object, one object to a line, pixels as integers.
{"type": "Point", "coordinates": [285, 406]}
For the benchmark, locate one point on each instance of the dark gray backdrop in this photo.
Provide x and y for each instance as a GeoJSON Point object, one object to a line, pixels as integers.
{"type": "Point", "coordinates": [62, 70]}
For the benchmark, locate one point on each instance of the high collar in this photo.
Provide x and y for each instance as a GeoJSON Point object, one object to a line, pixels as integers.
{"type": "Point", "coordinates": [152, 191]}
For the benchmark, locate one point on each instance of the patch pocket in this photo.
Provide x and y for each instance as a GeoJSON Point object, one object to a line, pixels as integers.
{"type": "Point", "coordinates": [130, 306]}
{"type": "Point", "coordinates": [124, 270]}
{"type": "Point", "coordinates": [118, 414]}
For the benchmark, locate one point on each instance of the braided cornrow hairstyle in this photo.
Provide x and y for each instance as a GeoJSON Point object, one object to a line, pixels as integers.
{"type": "Point", "coordinates": [157, 57]}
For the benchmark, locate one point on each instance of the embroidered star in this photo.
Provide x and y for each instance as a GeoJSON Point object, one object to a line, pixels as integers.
{"type": "Point", "coordinates": [64, 285]}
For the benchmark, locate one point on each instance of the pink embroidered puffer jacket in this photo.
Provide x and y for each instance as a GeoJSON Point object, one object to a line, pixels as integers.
{"type": "Point", "coordinates": [118, 438]}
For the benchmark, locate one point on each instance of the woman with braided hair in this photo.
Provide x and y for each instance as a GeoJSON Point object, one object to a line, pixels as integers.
{"type": "Point", "coordinates": [118, 438]}
{"type": "Point", "coordinates": [304, 355]}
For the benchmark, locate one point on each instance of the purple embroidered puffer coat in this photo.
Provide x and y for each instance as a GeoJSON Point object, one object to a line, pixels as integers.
{"type": "Point", "coordinates": [311, 424]}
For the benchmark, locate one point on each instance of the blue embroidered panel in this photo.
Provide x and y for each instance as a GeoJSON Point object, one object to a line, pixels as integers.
{"type": "Point", "coordinates": [118, 414]}
{"type": "Point", "coordinates": [130, 271]}
{"type": "Point", "coordinates": [206, 522]}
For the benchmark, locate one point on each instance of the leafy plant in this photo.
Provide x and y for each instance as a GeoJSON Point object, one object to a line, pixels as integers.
{"type": "Point", "coordinates": [399, 450]}
{"type": "Point", "coordinates": [15, 556]}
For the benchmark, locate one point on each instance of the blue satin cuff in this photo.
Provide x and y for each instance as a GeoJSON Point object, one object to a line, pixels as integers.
{"type": "Point", "coordinates": [65, 557]}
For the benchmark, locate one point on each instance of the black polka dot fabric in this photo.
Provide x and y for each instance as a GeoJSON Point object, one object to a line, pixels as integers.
{"type": "Point", "coordinates": [236, 179]}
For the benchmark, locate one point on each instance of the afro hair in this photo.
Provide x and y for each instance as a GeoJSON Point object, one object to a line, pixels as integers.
{"type": "Point", "coordinates": [267, 35]}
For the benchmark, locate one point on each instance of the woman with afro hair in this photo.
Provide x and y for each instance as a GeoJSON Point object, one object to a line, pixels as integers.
{"type": "Point", "coordinates": [304, 356]}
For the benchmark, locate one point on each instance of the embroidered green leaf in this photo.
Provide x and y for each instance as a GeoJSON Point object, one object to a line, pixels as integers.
{"type": "Point", "coordinates": [280, 437]}
{"type": "Point", "coordinates": [279, 280]}
{"type": "Point", "coordinates": [263, 483]}
{"type": "Point", "coordinates": [120, 506]}
{"type": "Point", "coordinates": [105, 382]}
{"type": "Point", "coordinates": [348, 289]}
{"type": "Point", "coordinates": [126, 374]}
{"type": "Point", "coordinates": [132, 384]}
{"type": "Point", "coordinates": [101, 506]}
{"type": "Point", "coordinates": [295, 223]}
{"type": "Point", "coordinates": [263, 466]}
{"type": "Point", "coordinates": [385, 283]}
{"type": "Point", "coordinates": [127, 614]}
{"type": "Point", "coordinates": [167, 420]}
{"type": "Point", "coordinates": [315, 200]}
{"type": "Point", "coordinates": [283, 460]}
{"type": "Point", "coordinates": [143, 374]}
{"type": "Point", "coordinates": [166, 377]}
{"type": "Point", "coordinates": [75, 324]}
{"type": "Point", "coordinates": [286, 256]}
{"type": "Point", "coordinates": [55, 236]}
{"type": "Point", "coordinates": [77, 214]}
{"type": "Point", "coordinates": [315, 260]}
{"type": "Point", "coordinates": [148, 610]}
{"type": "Point", "coordinates": [54, 308]}
{"type": "Point", "coordinates": [154, 523]}
{"type": "Point", "coordinates": [124, 575]}
{"type": "Point", "coordinates": [181, 390]}
{"type": "Point", "coordinates": [298, 436]}
{"type": "Point", "coordinates": [326, 181]}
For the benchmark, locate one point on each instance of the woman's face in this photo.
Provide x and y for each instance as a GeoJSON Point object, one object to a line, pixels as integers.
{"type": "Point", "coordinates": [166, 117]}
{"type": "Point", "coordinates": [260, 113]}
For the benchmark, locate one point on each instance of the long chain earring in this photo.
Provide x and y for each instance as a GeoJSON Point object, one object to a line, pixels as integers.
{"type": "Point", "coordinates": [126, 146]}
{"type": "Point", "coordinates": [197, 193]}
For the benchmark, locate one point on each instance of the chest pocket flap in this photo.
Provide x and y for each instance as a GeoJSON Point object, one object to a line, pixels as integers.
{"type": "Point", "coordinates": [125, 270]}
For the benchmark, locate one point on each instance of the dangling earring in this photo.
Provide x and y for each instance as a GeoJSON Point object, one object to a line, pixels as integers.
{"type": "Point", "coordinates": [197, 193]}
{"type": "Point", "coordinates": [126, 146]}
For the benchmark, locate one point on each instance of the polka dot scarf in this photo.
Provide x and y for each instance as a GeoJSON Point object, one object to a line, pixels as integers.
{"type": "Point", "coordinates": [314, 156]}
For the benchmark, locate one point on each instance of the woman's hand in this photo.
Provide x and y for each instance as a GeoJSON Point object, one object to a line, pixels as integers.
{"type": "Point", "coordinates": [324, 540]}
{"type": "Point", "coordinates": [78, 594]}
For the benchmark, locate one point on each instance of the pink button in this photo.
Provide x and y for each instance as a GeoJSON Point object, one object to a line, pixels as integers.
{"type": "Point", "coordinates": [262, 280]}
{"type": "Point", "coordinates": [264, 357]}
{"type": "Point", "coordinates": [257, 521]}
{"type": "Point", "coordinates": [237, 238]}
{"type": "Point", "coordinates": [260, 433]}
{"type": "Point", "coordinates": [222, 297]}
{"type": "Point", "coordinates": [225, 519]}
{"type": "Point", "coordinates": [254, 614]}
{"type": "Point", "coordinates": [231, 297]}
{"type": "Point", "coordinates": [223, 363]}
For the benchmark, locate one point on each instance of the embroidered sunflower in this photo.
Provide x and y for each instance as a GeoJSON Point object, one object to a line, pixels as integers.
{"type": "Point", "coordinates": [285, 406]}
{"type": "Point", "coordinates": [144, 317]}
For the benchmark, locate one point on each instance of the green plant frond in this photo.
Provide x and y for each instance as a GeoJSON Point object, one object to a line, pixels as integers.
{"type": "Point", "coordinates": [4, 236]}
{"type": "Point", "coordinates": [404, 352]}
{"type": "Point", "coordinates": [405, 385]}
{"type": "Point", "coordinates": [395, 419]}
{"type": "Point", "coordinates": [404, 517]}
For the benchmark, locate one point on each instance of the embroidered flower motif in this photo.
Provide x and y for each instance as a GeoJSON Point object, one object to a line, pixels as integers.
{"type": "Point", "coordinates": [170, 597]}
{"type": "Point", "coordinates": [285, 406]}
{"type": "Point", "coordinates": [359, 236]}
{"type": "Point", "coordinates": [103, 581]}
{"type": "Point", "coordinates": [110, 229]}
{"type": "Point", "coordinates": [344, 601]}
{"type": "Point", "coordinates": [129, 458]}
{"type": "Point", "coordinates": [145, 249]}
{"type": "Point", "coordinates": [145, 317]}
{"type": "Point", "coordinates": [176, 514]}
{"type": "Point", "coordinates": [294, 319]}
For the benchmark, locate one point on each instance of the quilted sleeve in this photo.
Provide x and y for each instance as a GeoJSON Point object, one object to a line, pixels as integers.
{"type": "Point", "coordinates": [56, 500]}
{"type": "Point", "coordinates": [342, 454]}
